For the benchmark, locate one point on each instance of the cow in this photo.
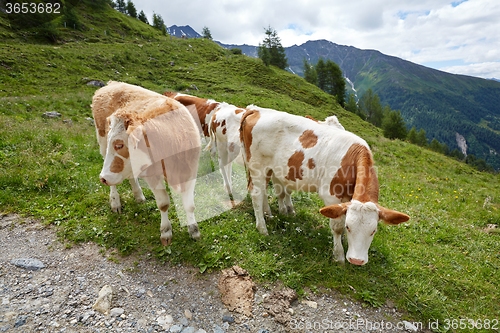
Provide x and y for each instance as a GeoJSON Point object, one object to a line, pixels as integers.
{"type": "Point", "coordinates": [220, 123]}
{"type": "Point", "coordinates": [302, 154]}
{"type": "Point", "coordinates": [145, 134]}
{"type": "Point", "coordinates": [330, 121]}
{"type": "Point", "coordinates": [201, 108]}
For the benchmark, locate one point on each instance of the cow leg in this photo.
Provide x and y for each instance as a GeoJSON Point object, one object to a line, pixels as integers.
{"type": "Point", "coordinates": [114, 199]}
{"type": "Point", "coordinates": [337, 227]}
{"type": "Point", "coordinates": [137, 190]}
{"type": "Point", "coordinates": [284, 197]}
{"type": "Point", "coordinates": [280, 194]}
{"type": "Point", "coordinates": [114, 196]}
{"type": "Point", "coordinates": [259, 202]}
{"type": "Point", "coordinates": [188, 204]}
{"type": "Point", "coordinates": [225, 168]}
{"type": "Point", "coordinates": [157, 186]}
{"type": "Point", "coordinates": [288, 203]}
{"type": "Point", "coordinates": [265, 202]}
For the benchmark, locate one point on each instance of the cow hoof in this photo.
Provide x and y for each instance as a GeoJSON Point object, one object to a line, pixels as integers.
{"type": "Point", "coordinates": [166, 241]}
{"type": "Point", "coordinates": [116, 209]}
{"type": "Point", "coordinates": [268, 216]}
{"type": "Point", "coordinates": [263, 231]}
{"type": "Point", "coordinates": [340, 260]}
{"type": "Point", "coordinates": [194, 231]}
{"type": "Point", "coordinates": [140, 199]}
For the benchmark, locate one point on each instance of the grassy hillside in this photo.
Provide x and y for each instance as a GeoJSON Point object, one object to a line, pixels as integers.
{"type": "Point", "coordinates": [441, 265]}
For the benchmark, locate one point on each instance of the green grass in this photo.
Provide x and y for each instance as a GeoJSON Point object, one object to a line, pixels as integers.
{"type": "Point", "coordinates": [440, 265]}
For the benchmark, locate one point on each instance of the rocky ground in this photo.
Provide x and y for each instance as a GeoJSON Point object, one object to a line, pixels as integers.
{"type": "Point", "coordinates": [149, 297]}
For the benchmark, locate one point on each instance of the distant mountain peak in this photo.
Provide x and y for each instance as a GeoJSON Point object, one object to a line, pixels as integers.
{"type": "Point", "coordinates": [184, 31]}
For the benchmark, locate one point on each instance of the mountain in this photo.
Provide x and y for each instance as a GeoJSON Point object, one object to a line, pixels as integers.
{"type": "Point", "coordinates": [184, 31]}
{"type": "Point", "coordinates": [441, 103]}
{"type": "Point", "coordinates": [248, 50]}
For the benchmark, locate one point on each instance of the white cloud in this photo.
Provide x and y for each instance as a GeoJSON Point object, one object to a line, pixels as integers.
{"type": "Point", "coordinates": [486, 70]}
{"type": "Point", "coordinates": [420, 31]}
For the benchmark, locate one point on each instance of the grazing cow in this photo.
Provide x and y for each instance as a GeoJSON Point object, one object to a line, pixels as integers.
{"type": "Point", "coordinates": [302, 154]}
{"type": "Point", "coordinates": [147, 135]}
{"type": "Point", "coordinates": [330, 121]}
{"type": "Point", "coordinates": [200, 108]}
{"type": "Point", "coordinates": [220, 122]}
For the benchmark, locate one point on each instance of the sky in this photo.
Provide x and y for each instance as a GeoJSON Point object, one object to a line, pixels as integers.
{"type": "Point", "coordinates": [461, 37]}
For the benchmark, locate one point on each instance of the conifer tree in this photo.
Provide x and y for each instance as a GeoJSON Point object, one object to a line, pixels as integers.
{"type": "Point", "coordinates": [121, 6]}
{"type": "Point", "coordinates": [335, 83]}
{"type": "Point", "coordinates": [205, 33]}
{"type": "Point", "coordinates": [321, 73]}
{"type": "Point", "coordinates": [131, 10]}
{"type": "Point", "coordinates": [422, 138]}
{"type": "Point", "coordinates": [159, 24]}
{"type": "Point", "coordinates": [412, 135]}
{"type": "Point", "coordinates": [310, 74]}
{"type": "Point", "coordinates": [393, 125]}
{"type": "Point", "coordinates": [370, 105]}
{"type": "Point", "coordinates": [143, 17]}
{"type": "Point", "coordinates": [351, 105]}
{"type": "Point", "coordinates": [271, 51]}
{"type": "Point", "coordinates": [436, 146]}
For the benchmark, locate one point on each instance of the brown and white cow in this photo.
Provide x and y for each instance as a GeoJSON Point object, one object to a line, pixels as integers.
{"type": "Point", "coordinates": [305, 155]}
{"type": "Point", "coordinates": [201, 109]}
{"type": "Point", "coordinates": [146, 135]}
{"type": "Point", "coordinates": [220, 123]}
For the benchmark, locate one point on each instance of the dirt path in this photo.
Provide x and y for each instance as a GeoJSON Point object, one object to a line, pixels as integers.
{"type": "Point", "coordinates": [148, 297]}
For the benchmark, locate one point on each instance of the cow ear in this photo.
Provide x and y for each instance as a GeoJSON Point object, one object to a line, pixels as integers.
{"type": "Point", "coordinates": [126, 122]}
{"type": "Point", "coordinates": [392, 217]}
{"type": "Point", "coordinates": [334, 211]}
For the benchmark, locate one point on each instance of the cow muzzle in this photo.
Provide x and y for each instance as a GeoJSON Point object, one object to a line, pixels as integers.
{"type": "Point", "coordinates": [357, 262]}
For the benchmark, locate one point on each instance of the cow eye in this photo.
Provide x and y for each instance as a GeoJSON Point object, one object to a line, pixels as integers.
{"type": "Point", "coordinates": [347, 228]}
{"type": "Point", "coordinates": [118, 146]}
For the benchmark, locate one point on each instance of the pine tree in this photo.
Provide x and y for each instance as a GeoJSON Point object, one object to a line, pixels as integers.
{"type": "Point", "coordinates": [270, 51]}
{"type": "Point", "coordinates": [436, 146]}
{"type": "Point", "coordinates": [143, 17]}
{"type": "Point", "coordinates": [205, 33]}
{"type": "Point", "coordinates": [335, 82]}
{"type": "Point", "coordinates": [370, 105]}
{"type": "Point", "coordinates": [310, 74]}
{"type": "Point", "coordinates": [321, 74]}
{"type": "Point", "coordinates": [351, 105]}
{"type": "Point", "coordinates": [393, 125]}
{"type": "Point", "coordinates": [131, 10]}
{"type": "Point", "coordinates": [412, 135]}
{"type": "Point", "coordinates": [121, 7]}
{"type": "Point", "coordinates": [159, 24]}
{"type": "Point", "coordinates": [422, 138]}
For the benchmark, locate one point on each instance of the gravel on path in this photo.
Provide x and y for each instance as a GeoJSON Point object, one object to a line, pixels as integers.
{"type": "Point", "coordinates": [146, 296]}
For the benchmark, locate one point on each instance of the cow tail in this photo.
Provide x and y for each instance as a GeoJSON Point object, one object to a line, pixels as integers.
{"type": "Point", "coordinates": [212, 143]}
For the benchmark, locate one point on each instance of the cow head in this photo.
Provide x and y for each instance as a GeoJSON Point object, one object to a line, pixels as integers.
{"type": "Point", "coordinates": [117, 164]}
{"type": "Point", "coordinates": [361, 225]}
